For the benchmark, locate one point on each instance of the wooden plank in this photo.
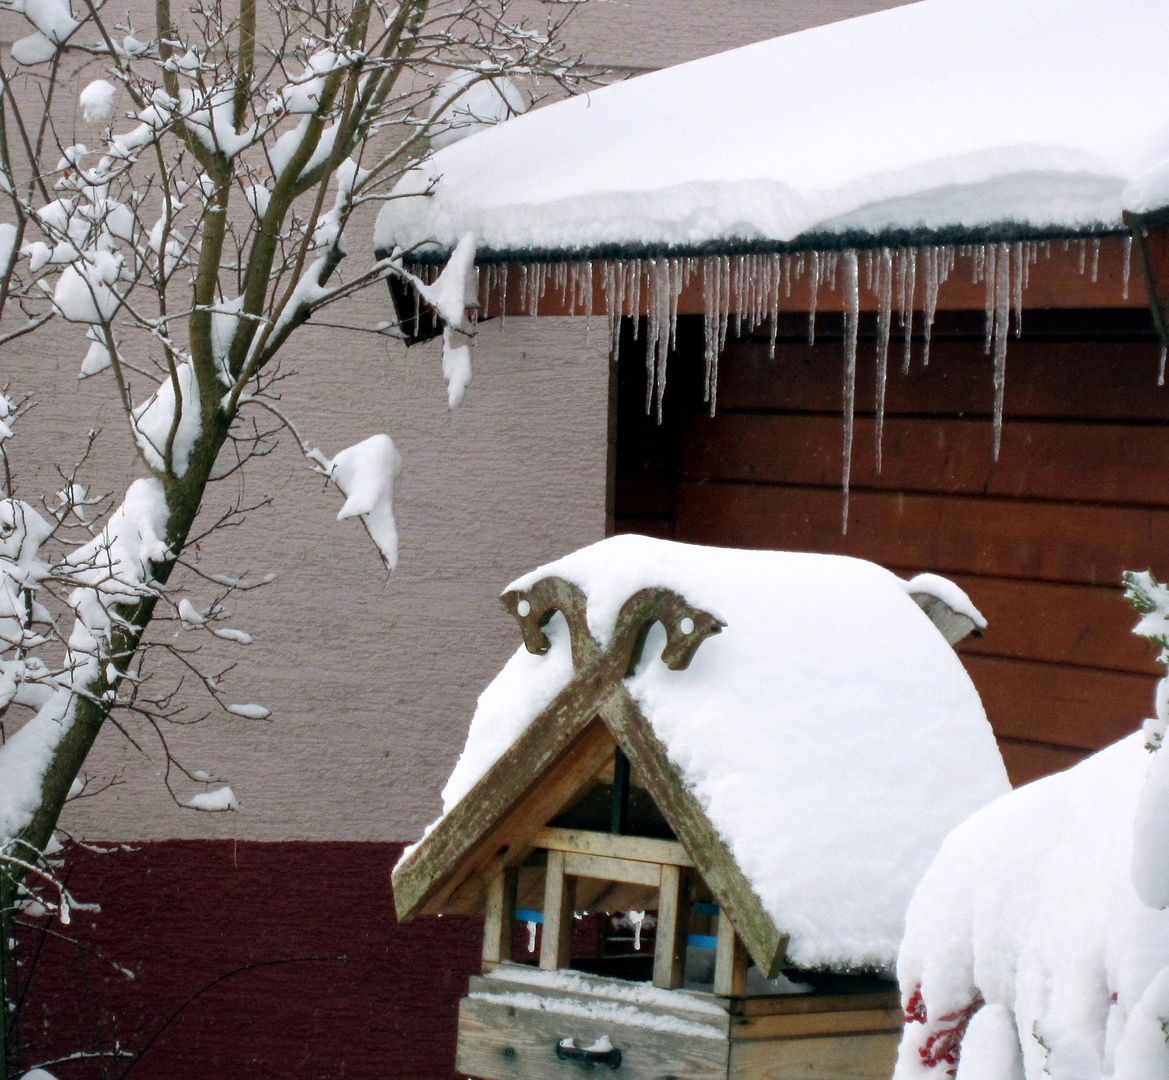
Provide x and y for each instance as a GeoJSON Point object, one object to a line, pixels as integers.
{"type": "Point", "coordinates": [499, 1042]}
{"type": "Point", "coordinates": [529, 784]}
{"type": "Point", "coordinates": [499, 916]}
{"type": "Point", "coordinates": [798, 1025]}
{"type": "Point", "coordinates": [1108, 463]}
{"type": "Point", "coordinates": [1045, 379]}
{"type": "Point", "coordinates": [843, 1057]}
{"type": "Point", "coordinates": [605, 868]}
{"type": "Point", "coordinates": [662, 528]}
{"type": "Point", "coordinates": [638, 848]}
{"type": "Point", "coordinates": [556, 934]}
{"type": "Point", "coordinates": [1083, 625]}
{"type": "Point", "coordinates": [1061, 706]}
{"type": "Point", "coordinates": [730, 961]}
{"type": "Point", "coordinates": [1027, 761]}
{"type": "Point", "coordinates": [509, 843]}
{"type": "Point", "coordinates": [588, 989]}
{"type": "Point", "coordinates": [673, 923]}
{"type": "Point", "coordinates": [712, 859]}
{"type": "Point", "coordinates": [787, 1004]}
{"type": "Point", "coordinates": [988, 536]}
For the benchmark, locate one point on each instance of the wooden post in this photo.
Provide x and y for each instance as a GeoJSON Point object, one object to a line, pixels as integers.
{"type": "Point", "coordinates": [673, 928]}
{"type": "Point", "coordinates": [499, 917]}
{"type": "Point", "coordinates": [556, 938]}
{"type": "Point", "coordinates": [730, 961]}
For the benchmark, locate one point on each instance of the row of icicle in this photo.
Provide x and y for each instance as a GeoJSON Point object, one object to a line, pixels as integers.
{"type": "Point", "coordinates": [741, 293]}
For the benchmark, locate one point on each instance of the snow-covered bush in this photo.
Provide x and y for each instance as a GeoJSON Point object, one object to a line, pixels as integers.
{"type": "Point", "coordinates": [1037, 944]}
{"type": "Point", "coordinates": [233, 151]}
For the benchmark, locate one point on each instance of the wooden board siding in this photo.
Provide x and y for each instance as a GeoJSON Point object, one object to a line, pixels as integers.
{"type": "Point", "coordinates": [1038, 539]}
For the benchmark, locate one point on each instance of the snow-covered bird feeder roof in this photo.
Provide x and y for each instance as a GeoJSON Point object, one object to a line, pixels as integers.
{"type": "Point", "coordinates": [937, 122]}
{"type": "Point", "coordinates": [806, 731]}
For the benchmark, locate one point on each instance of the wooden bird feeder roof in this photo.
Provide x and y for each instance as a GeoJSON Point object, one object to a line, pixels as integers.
{"type": "Point", "coordinates": [799, 722]}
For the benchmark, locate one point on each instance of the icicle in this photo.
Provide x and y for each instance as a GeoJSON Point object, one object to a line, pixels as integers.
{"type": "Point", "coordinates": [1095, 258]}
{"type": "Point", "coordinates": [1083, 246]}
{"type": "Point", "coordinates": [852, 305]}
{"type": "Point", "coordinates": [587, 299]}
{"type": "Point", "coordinates": [813, 296]}
{"type": "Point", "coordinates": [884, 326]}
{"type": "Point", "coordinates": [531, 936]}
{"type": "Point", "coordinates": [504, 274]}
{"type": "Point", "coordinates": [1161, 368]}
{"type": "Point", "coordinates": [931, 301]}
{"type": "Point", "coordinates": [1018, 269]}
{"type": "Point", "coordinates": [778, 268]}
{"type": "Point", "coordinates": [652, 331]}
{"type": "Point", "coordinates": [907, 306]}
{"type": "Point", "coordinates": [736, 293]}
{"type": "Point", "coordinates": [636, 918]}
{"type": "Point", "coordinates": [787, 276]}
{"type": "Point", "coordinates": [724, 289]}
{"type": "Point", "coordinates": [1127, 269]}
{"type": "Point", "coordinates": [711, 278]}
{"type": "Point", "coordinates": [1002, 311]}
{"type": "Point", "coordinates": [987, 257]}
{"type": "Point", "coordinates": [635, 295]}
{"type": "Point", "coordinates": [609, 275]}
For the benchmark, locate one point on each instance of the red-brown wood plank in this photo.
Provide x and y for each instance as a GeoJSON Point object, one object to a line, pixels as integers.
{"type": "Point", "coordinates": [1110, 463]}
{"type": "Point", "coordinates": [1082, 625]}
{"type": "Point", "coordinates": [1057, 379]}
{"type": "Point", "coordinates": [1061, 706]}
{"type": "Point", "coordinates": [1027, 761]}
{"type": "Point", "coordinates": [994, 537]}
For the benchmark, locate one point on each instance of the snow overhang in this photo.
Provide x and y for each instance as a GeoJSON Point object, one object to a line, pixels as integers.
{"type": "Point", "coordinates": [942, 122]}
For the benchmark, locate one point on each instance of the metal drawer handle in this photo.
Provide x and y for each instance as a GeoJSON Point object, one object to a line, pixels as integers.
{"type": "Point", "coordinates": [602, 1052]}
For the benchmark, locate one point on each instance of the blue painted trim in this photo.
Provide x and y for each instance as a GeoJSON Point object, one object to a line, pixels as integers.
{"type": "Point", "coordinates": [702, 941]}
{"type": "Point", "coordinates": [529, 916]}
{"type": "Point", "coordinates": [706, 909]}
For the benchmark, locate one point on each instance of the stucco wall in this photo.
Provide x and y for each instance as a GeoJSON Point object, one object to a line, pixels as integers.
{"type": "Point", "coordinates": [371, 682]}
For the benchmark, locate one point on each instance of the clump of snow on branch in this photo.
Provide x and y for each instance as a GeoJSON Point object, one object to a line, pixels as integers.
{"type": "Point", "coordinates": [97, 101]}
{"type": "Point", "coordinates": [469, 101]}
{"type": "Point", "coordinates": [154, 419]}
{"type": "Point", "coordinates": [365, 473]}
{"type": "Point", "coordinates": [217, 801]}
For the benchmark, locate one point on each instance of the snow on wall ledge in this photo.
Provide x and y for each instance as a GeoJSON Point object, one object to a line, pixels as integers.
{"type": "Point", "coordinates": [1041, 115]}
{"type": "Point", "coordinates": [829, 731]}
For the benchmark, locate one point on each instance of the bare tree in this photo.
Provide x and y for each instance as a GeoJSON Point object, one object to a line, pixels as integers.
{"type": "Point", "coordinates": [187, 251]}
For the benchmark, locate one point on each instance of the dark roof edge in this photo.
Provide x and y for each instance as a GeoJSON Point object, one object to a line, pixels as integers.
{"type": "Point", "coordinates": [1002, 232]}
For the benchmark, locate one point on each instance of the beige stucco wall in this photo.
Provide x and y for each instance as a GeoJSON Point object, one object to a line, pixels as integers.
{"type": "Point", "coordinates": [372, 682]}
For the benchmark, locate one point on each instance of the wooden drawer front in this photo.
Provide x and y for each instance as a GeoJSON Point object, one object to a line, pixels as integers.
{"type": "Point", "coordinates": [838, 1057]}
{"type": "Point", "coordinates": [499, 1040]}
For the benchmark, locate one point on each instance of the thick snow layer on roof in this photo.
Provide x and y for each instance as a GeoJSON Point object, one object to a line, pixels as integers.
{"type": "Point", "coordinates": [941, 115]}
{"type": "Point", "coordinates": [1030, 908]}
{"type": "Point", "coordinates": [830, 732]}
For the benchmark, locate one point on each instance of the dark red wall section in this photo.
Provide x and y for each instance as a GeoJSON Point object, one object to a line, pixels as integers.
{"type": "Point", "coordinates": [250, 960]}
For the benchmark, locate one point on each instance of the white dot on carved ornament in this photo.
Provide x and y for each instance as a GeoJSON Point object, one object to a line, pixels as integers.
{"type": "Point", "coordinates": [686, 625]}
{"type": "Point", "coordinates": [523, 609]}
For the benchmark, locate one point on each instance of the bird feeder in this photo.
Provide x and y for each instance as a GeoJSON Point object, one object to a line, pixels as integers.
{"type": "Point", "coordinates": [731, 746]}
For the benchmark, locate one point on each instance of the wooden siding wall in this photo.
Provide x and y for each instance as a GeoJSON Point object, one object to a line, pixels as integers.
{"type": "Point", "coordinates": [1038, 539]}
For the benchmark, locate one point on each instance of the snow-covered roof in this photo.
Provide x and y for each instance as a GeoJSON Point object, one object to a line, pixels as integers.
{"type": "Point", "coordinates": [968, 119]}
{"type": "Point", "coordinates": [829, 732]}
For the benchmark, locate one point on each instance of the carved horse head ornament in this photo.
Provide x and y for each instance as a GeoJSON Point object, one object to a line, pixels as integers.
{"type": "Point", "coordinates": [686, 626]}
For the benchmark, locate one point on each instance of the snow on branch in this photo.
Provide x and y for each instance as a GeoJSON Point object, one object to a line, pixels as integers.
{"type": "Point", "coordinates": [365, 473]}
